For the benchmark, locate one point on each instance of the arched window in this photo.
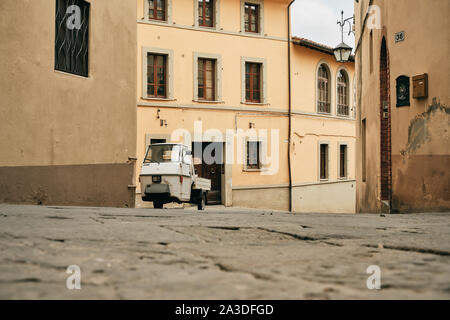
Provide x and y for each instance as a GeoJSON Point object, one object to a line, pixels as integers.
{"type": "Point", "coordinates": [323, 89]}
{"type": "Point", "coordinates": [342, 94]}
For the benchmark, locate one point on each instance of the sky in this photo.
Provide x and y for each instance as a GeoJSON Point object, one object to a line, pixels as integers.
{"type": "Point", "coordinates": [317, 20]}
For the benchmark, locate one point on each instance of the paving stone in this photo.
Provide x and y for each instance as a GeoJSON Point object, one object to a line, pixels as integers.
{"type": "Point", "coordinates": [222, 253]}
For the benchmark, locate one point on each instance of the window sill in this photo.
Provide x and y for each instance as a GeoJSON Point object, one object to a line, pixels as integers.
{"type": "Point", "coordinates": [158, 99]}
{"type": "Point", "coordinates": [252, 170]}
{"type": "Point", "coordinates": [324, 180]}
{"type": "Point", "coordinates": [71, 74]}
{"type": "Point", "coordinates": [208, 101]}
{"type": "Point", "coordinates": [206, 27]}
{"type": "Point", "coordinates": [254, 33]}
{"type": "Point", "coordinates": [345, 116]}
{"type": "Point", "coordinates": [156, 21]}
{"type": "Point", "coordinates": [324, 113]}
{"type": "Point", "coordinates": [343, 178]}
{"type": "Point", "coordinates": [255, 103]}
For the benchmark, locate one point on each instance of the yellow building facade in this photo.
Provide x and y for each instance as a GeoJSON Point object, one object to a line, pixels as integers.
{"type": "Point", "coordinates": [215, 75]}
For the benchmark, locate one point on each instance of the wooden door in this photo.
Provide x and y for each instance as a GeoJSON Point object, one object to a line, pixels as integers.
{"type": "Point", "coordinates": [208, 170]}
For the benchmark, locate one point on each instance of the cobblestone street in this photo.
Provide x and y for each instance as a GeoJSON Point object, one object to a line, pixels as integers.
{"type": "Point", "coordinates": [221, 253]}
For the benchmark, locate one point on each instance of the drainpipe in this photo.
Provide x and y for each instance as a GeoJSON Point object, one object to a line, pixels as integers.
{"type": "Point", "coordinates": [290, 104]}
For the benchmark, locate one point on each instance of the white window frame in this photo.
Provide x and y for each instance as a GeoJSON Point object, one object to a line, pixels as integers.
{"type": "Point", "coordinates": [261, 16]}
{"type": "Point", "coordinates": [261, 155]}
{"type": "Point", "coordinates": [168, 12]}
{"type": "Point", "coordinates": [218, 74]}
{"type": "Point", "coordinates": [169, 72]}
{"type": "Point", "coordinates": [216, 15]}
{"type": "Point", "coordinates": [330, 87]}
{"type": "Point", "coordinates": [263, 63]}
{"type": "Point", "coordinates": [339, 160]}
{"type": "Point", "coordinates": [349, 83]}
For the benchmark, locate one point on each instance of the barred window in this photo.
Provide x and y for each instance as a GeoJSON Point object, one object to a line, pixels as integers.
{"type": "Point", "coordinates": [206, 13]}
{"type": "Point", "coordinates": [323, 89]}
{"type": "Point", "coordinates": [342, 94]}
{"type": "Point", "coordinates": [156, 75]}
{"type": "Point", "coordinates": [72, 37]}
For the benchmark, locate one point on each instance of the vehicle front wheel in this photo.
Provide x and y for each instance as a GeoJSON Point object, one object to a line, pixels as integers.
{"type": "Point", "coordinates": [158, 204]}
{"type": "Point", "coordinates": [202, 202]}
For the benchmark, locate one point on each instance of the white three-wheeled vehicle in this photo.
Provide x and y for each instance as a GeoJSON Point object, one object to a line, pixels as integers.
{"type": "Point", "coordinates": [168, 175]}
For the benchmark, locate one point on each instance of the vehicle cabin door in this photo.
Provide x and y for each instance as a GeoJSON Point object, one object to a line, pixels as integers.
{"type": "Point", "coordinates": [186, 177]}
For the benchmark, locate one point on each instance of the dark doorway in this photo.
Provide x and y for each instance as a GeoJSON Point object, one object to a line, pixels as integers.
{"type": "Point", "coordinates": [385, 125]}
{"type": "Point", "coordinates": [154, 141]}
{"type": "Point", "coordinates": [211, 154]}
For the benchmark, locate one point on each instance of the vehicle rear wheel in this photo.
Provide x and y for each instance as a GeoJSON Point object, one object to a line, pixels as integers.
{"type": "Point", "coordinates": [158, 204]}
{"type": "Point", "coordinates": [202, 202]}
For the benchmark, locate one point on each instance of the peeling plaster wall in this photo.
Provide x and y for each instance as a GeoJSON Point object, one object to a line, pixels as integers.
{"type": "Point", "coordinates": [422, 170]}
{"type": "Point", "coordinates": [420, 132]}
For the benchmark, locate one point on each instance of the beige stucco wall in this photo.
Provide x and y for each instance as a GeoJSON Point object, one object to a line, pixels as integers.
{"type": "Point", "coordinates": [420, 137]}
{"type": "Point", "coordinates": [51, 118]}
{"type": "Point", "coordinates": [183, 40]}
{"type": "Point", "coordinates": [340, 197]}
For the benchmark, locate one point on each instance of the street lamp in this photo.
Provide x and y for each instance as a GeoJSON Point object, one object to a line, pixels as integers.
{"type": "Point", "coordinates": [342, 51]}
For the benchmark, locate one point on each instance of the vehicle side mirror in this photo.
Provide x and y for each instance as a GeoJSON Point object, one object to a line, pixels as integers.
{"type": "Point", "coordinates": [187, 159]}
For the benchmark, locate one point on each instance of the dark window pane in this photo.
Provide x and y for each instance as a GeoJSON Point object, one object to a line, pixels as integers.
{"type": "Point", "coordinates": [343, 161]}
{"type": "Point", "coordinates": [157, 9]}
{"type": "Point", "coordinates": [156, 75]}
{"type": "Point", "coordinates": [253, 82]}
{"type": "Point", "coordinates": [256, 96]}
{"type": "Point", "coordinates": [206, 79]}
{"type": "Point", "coordinates": [205, 13]}
{"type": "Point", "coordinates": [253, 154]}
{"type": "Point", "coordinates": [323, 161]}
{"type": "Point", "coordinates": [251, 17]}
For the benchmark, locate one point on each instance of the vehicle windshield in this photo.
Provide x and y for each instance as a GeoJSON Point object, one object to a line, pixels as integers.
{"type": "Point", "coordinates": [163, 153]}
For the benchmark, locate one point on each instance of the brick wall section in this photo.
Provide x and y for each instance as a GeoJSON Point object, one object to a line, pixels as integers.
{"type": "Point", "coordinates": [385, 126]}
